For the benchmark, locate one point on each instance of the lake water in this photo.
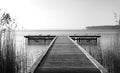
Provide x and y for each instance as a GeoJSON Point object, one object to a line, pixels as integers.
{"type": "Point", "coordinates": [106, 52]}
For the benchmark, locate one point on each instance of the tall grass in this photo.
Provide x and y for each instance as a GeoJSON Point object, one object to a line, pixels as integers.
{"type": "Point", "coordinates": [11, 60]}
{"type": "Point", "coordinates": [8, 62]}
{"type": "Point", "coordinates": [116, 53]}
{"type": "Point", "coordinates": [21, 53]}
{"type": "Point", "coordinates": [107, 52]}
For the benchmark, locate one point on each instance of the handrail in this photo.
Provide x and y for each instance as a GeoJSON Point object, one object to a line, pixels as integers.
{"type": "Point", "coordinates": [95, 62]}
{"type": "Point", "coordinates": [34, 66]}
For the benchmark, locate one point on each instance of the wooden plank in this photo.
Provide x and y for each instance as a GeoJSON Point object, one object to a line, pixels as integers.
{"type": "Point", "coordinates": [97, 64]}
{"type": "Point", "coordinates": [65, 57]}
{"type": "Point", "coordinates": [32, 69]}
{"type": "Point", "coordinates": [86, 36]}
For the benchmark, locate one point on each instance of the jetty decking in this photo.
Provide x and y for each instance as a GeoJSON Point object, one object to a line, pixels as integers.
{"type": "Point", "coordinates": [65, 57]}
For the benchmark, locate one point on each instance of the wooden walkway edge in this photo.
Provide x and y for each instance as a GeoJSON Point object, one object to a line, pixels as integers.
{"type": "Point", "coordinates": [65, 55]}
{"type": "Point", "coordinates": [96, 63]}
{"type": "Point", "coordinates": [32, 69]}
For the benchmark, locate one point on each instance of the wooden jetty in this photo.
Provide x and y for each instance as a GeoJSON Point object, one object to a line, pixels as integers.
{"type": "Point", "coordinates": [38, 38]}
{"type": "Point", "coordinates": [86, 39]}
{"type": "Point", "coordinates": [65, 56]}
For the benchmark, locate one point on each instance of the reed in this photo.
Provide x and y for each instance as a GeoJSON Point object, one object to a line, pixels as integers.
{"type": "Point", "coordinates": [107, 52]}
{"type": "Point", "coordinates": [7, 52]}
{"type": "Point", "coordinates": [10, 61]}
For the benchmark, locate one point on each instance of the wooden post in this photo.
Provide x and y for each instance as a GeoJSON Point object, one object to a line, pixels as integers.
{"type": "Point", "coordinates": [96, 41]}
{"type": "Point", "coordinates": [28, 41]}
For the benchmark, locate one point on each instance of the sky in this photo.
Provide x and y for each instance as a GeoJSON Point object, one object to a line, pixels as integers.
{"type": "Point", "coordinates": [61, 14]}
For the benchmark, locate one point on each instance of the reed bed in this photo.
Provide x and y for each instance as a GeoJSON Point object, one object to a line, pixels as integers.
{"type": "Point", "coordinates": [11, 60]}
{"type": "Point", "coordinates": [21, 54]}
{"type": "Point", "coordinates": [8, 62]}
{"type": "Point", "coordinates": [107, 52]}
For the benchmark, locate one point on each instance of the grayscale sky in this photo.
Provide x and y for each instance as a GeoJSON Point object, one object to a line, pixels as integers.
{"type": "Point", "coordinates": [62, 14]}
